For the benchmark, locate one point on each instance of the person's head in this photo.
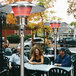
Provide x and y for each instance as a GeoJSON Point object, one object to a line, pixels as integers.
{"type": "Point", "coordinates": [62, 51]}
{"type": "Point", "coordinates": [37, 52]}
{"type": "Point", "coordinates": [4, 45]}
{"type": "Point", "coordinates": [18, 50]}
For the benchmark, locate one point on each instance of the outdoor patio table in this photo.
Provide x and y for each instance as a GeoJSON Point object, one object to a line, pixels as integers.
{"type": "Point", "coordinates": [46, 68]}
{"type": "Point", "coordinates": [51, 58]}
{"type": "Point", "coordinates": [49, 48]}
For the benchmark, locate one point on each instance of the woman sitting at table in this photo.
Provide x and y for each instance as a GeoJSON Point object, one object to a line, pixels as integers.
{"type": "Point", "coordinates": [37, 57]}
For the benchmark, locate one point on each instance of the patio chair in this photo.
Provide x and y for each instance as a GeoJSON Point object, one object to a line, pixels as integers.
{"type": "Point", "coordinates": [27, 54]}
{"type": "Point", "coordinates": [46, 50]}
{"type": "Point", "coordinates": [5, 63]}
{"type": "Point", "coordinates": [47, 60]}
{"type": "Point", "coordinates": [15, 71]}
{"type": "Point", "coordinates": [73, 59]}
{"type": "Point", "coordinates": [4, 72]}
{"type": "Point", "coordinates": [8, 52]}
{"type": "Point", "coordinates": [58, 72]}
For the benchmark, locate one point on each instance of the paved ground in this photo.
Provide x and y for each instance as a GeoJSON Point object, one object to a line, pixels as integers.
{"type": "Point", "coordinates": [13, 45]}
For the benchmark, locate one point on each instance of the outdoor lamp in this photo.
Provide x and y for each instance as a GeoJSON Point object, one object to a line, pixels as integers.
{"type": "Point", "coordinates": [23, 9]}
{"type": "Point", "coordinates": [55, 26]}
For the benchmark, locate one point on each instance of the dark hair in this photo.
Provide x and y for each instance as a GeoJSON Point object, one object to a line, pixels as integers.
{"type": "Point", "coordinates": [40, 52]}
{"type": "Point", "coordinates": [63, 49]}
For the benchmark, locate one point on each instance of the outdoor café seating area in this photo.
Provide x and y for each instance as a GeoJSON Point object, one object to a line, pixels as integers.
{"type": "Point", "coordinates": [45, 69]}
{"type": "Point", "coordinates": [39, 32]}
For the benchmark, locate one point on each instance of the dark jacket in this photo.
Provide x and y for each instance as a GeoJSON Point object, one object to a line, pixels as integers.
{"type": "Point", "coordinates": [65, 61]}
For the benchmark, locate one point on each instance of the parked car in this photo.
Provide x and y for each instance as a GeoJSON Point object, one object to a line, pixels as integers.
{"type": "Point", "coordinates": [28, 42]}
{"type": "Point", "coordinates": [67, 42]}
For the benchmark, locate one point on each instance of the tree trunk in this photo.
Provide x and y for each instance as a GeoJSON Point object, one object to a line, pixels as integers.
{"type": "Point", "coordinates": [5, 36]}
{"type": "Point", "coordinates": [32, 37]}
{"type": "Point", "coordinates": [47, 35]}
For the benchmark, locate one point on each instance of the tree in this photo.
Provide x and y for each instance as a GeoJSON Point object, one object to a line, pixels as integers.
{"type": "Point", "coordinates": [74, 24]}
{"type": "Point", "coordinates": [36, 17]}
{"type": "Point", "coordinates": [11, 1]}
{"type": "Point", "coordinates": [72, 7]}
{"type": "Point", "coordinates": [11, 19]}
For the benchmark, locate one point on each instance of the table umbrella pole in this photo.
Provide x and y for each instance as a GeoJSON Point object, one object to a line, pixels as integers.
{"type": "Point", "coordinates": [22, 23]}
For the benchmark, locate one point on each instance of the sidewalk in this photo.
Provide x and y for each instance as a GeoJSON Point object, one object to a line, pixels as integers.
{"type": "Point", "coordinates": [11, 45]}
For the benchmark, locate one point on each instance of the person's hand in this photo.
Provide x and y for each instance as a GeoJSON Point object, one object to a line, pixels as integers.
{"type": "Point", "coordinates": [10, 66]}
{"type": "Point", "coordinates": [57, 64]}
{"type": "Point", "coordinates": [33, 62]}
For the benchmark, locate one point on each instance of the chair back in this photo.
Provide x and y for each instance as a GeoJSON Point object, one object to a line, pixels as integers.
{"type": "Point", "coordinates": [15, 70]}
{"type": "Point", "coordinates": [46, 60]}
{"type": "Point", "coordinates": [58, 72]}
{"type": "Point", "coordinates": [8, 52]}
{"type": "Point", "coordinates": [73, 60]}
{"type": "Point", "coordinates": [73, 57]}
{"type": "Point", "coordinates": [4, 72]}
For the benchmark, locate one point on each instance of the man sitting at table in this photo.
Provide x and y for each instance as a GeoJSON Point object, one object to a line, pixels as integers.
{"type": "Point", "coordinates": [14, 60]}
{"type": "Point", "coordinates": [63, 59]}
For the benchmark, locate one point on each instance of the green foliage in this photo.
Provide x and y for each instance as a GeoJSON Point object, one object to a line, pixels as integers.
{"type": "Point", "coordinates": [73, 24]}
{"type": "Point", "coordinates": [41, 3]}
{"type": "Point", "coordinates": [16, 38]}
{"type": "Point", "coordinates": [45, 3]}
{"type": "Point", "coordinates": [13, 38]}
{"type": "Point", "coordinates": [42, 36]}
{"type": "Point", "coordinates": [26, 37]}
{"type": "Point", "coordinates": [50, 38]}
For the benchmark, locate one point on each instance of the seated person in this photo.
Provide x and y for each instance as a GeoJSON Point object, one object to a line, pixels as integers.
{"type": "Point", "coordinates": [15, 58]}
{"type": "Point", "coordinates": [32, 49]}
{"type": "Point", "coordinates": [37, 57]}
{"type": "Point", "coordinates": [63, 59]}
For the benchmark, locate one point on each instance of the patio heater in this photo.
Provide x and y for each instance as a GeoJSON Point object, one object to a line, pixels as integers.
{"type": "Point", "coordinates": [22, 9]}
{"type": "Point", "coordinates": [55, 26]}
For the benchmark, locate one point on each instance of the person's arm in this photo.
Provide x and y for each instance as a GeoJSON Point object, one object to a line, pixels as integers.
{"type": "Point", "coordinates": [11, 60]}
{"type": "Point", "coordinates": [42, 60]}
{"type": "Point", "coordinates": [10, 65]}
{"type": "Point", "coordinates": [57, 59]}
{"type": "Point", "coordinates": [30, 61]}
{"type": "Point", "coordinates": [26, 59]}
{"type": "Point", "coordinates": [66, 62]}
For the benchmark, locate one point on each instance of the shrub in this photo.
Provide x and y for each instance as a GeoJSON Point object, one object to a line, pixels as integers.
{"type": "Point", "coordinates": [26, 37]}
{"type": "Point", "coordinates": [16, 38]}
{"type": "Point", "coordinates": [13, 38]}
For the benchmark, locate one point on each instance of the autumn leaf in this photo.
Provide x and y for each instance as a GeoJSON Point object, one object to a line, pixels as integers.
{"type": "Point", "coordinates": [11, 19]}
